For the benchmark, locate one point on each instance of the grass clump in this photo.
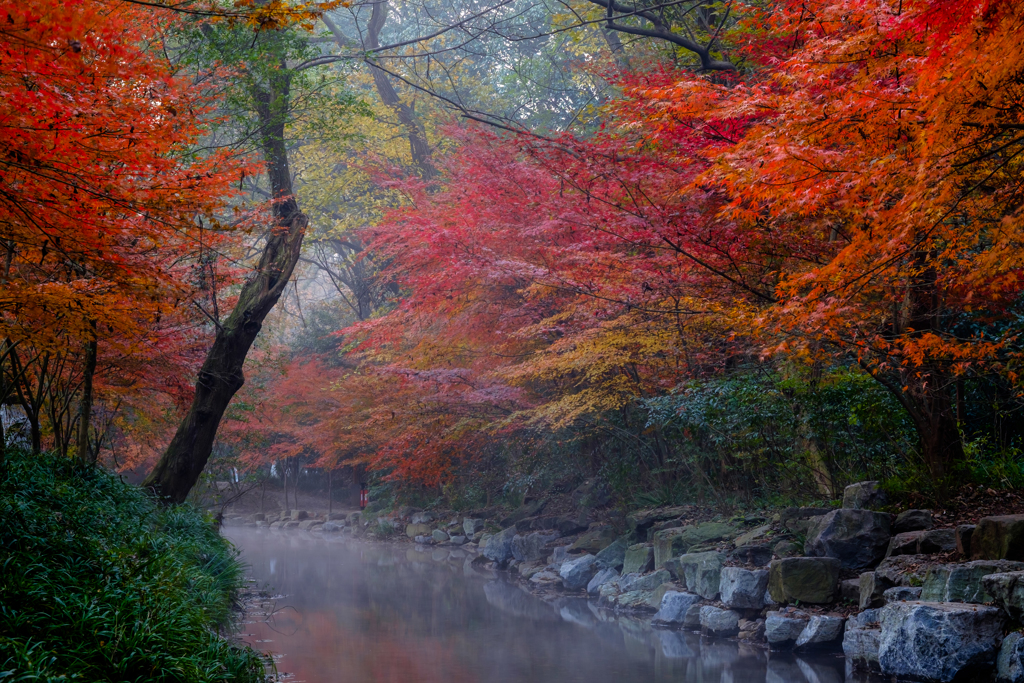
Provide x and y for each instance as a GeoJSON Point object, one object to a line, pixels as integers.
{"type": "Point", "coordinates": [100, 583]}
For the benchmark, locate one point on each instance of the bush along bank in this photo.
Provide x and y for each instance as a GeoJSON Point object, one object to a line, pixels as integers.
{"type": "Point", "coordinates": [908, 593]}
{"type": "Point", "coordinates": [99, 583]}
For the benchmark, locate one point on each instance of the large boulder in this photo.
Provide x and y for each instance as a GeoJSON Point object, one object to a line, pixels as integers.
{"type": "Point", "coordinates": [872, 589]}
{"type": "Point", "coordinates": [597, 538]}
{"type": "Point", "coordinates": [865, 495]}
{"type": "Point", "coordinates": [641, 521]}
{"type": "Point", "coordinates": [438, 536]}
{"type": "Point", "coordinates": [594, 493]}
{"type": "Point", "coordinates": [703, 573]}
{"type": "Point", "coordinates": [614, 555]}
{"type": "Point", "coordinates": [423, 517]}
{"type": "Point", "coordinates": [674, 607]}
{"type": "Point", "coordinates": [576, 574]}
{"type": "Point", "coordinates": [1007, 591]}
{"type": "Point", "coordinates": [743, 588]}
{"type": "Point", "coordinates": [963, 582]}
{"type": "Point", "coordinates": [964, 534]}
{"type": "Point", "coordinates": [472, 525]}
{"type": "Point", "coordinates": [416, 529]}
{"type": "Point", "coordinates": [799, 520]}
{"type": "Point", "coordinates": [821, 631]}
{"type": "Point", "coordinates": [857, 538]}
{"type": "Point", "coordinates": [804, 579]}
{"type": "Point", "coordinates": [600, 579]}
{"type": "Point", "coordinates": [904, 570]}
{"type": "Point", "coordinates": [912, 520]}
{"type": "Point", "coordinates": [757, 555]}
{"type": "Point", "coordinates": [719, 622]}
{"type": "Point", "coordinates": [643, 582]}
{"type": "Point", "coordinates": [861, 639]}
{"type": "Point", "coordinates": [669, 543]}
{"type": "Point", "coordinates": [902, 594]}
{"type": "Point", "coordinates": [783, 627]}
{"type": "Point", "coordinates": [1010, 660]}
{"type": "Point", "coordinates": [938, 640]}
{"type": "Point", "coordinates": [499, 546]}
{"type": "Point", "coordinates": [906, 543]}
{"type": "Point", "coordinates": [937, 541]}
{"type": "Point", "coordinates": [531, 547]}
{"type": "Point", "coordinates": [998, 538]}
{"type": "Point", "coordinates": [639, 558]}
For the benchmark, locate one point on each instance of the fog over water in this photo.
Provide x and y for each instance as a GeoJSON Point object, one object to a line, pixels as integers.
{"type": "Point", "coordinates": [349, 611]}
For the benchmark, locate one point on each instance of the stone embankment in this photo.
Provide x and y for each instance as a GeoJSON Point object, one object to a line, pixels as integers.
{"type": "Point", "coordinates": [897, 595]}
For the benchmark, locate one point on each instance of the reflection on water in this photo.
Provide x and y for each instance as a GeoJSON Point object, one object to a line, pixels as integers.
{"type": "Point", "coordinates": [353, 612]}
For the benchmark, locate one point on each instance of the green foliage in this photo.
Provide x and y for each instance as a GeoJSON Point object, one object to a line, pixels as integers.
{"type": "Point", "coordinates": [755, 433]}
{"type": "Point", "coordinates": [100, 583]}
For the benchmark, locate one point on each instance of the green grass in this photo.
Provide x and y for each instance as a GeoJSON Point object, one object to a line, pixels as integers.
{"type": "Point", "coordinates": [99, 583]}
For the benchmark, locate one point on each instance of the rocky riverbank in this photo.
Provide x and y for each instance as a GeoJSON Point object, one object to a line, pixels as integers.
{"type": "Point", "coordinates": [908, 594]}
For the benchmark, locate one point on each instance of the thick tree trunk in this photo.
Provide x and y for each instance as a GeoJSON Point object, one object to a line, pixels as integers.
{"type": "Point", "coordinates": [221, 375]}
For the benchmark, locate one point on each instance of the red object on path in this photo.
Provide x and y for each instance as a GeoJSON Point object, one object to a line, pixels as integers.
{"type": "Point", "coordinates": [364, 497]}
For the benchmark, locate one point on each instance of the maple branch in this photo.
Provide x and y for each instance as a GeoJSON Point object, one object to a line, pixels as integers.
{"type": "Point", "coordinates": [662, 31]}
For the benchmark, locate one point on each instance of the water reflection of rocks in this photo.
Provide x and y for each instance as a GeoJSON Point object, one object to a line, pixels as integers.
{"type": "Point", "coordinates": [675, 654]}
{"type": "Point", "coordinates": [369, 613]}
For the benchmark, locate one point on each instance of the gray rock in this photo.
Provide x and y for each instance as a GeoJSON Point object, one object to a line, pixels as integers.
{"type": "Point", "coordinates": [757, 555]}
{"type": "Point", "coordinates": [821, 630]}
{"type": "Point", "coordinates": [964, 533]}
{"type": "Point", "coordinates": [936, 640]}
{"type": "Point", "coordinates": [703, 573]}
{"type": "Point", "coordinates": [439, 536]}
{"type": "Point", "coordinates": [423, 518]}
{"type": "Point", "coordinates": [544, 578]}
{"type": "Point", "coordinates": [861, 639]}
{"type": "Point", "coordinates": [576, 574]}
{"type": "Point", "coordinates": [613, 556]}
{"type": "Point", "coordinates": [669, 543]}
{"type": "Point", "coordinates": [904, 570]}
{"type": "Point", "coordinates": [638, 559]}
{"type": "Point", "coordinates": [559, 554]}
{"type": "Point", "coordinates": [332, 527]}
{"type": "Point", "coordinates": [601, 578]}
{"type": "Point", "coordinates": [963, 582]}
{"type": "Point", "coordinates": [674, 606]}
{"type": "Point", "coordinates": [902, 594]}
{"type": "Point", "coordinates": [912, 520]}
{"type": "Point", "coordinates": [457, 540]}
{"type": "Point", "coordinates": [742, 588]}
{"type": "Point", "coordinates": [906, 543]}
{"type": "Point", "coordinates": [783, 627]}
{"type": "Point", "coordinates": [872, 590]}
{"type": "Point", "coordinates": [857, 538]}
{"type": "Point", "coordinates": [849, 590]}
{"type": "Point", "coordinates": [414, 530]}
{"type": "Point", "coordinates": [799, 520]}
{"type": "Point", "coordinates": [1010, 660]}
{"type": "Point", "coordinates": [755, 536]}
{"type": "Point", "coordinates": [1007, 591]}
{"type": "Point", "coordinates": [804, 579]}
{"type": "Point", "coordinates": [472, 526]}
{"type": "Point", "coordinates": [719, 622]}
{"type": "Point", "coordinates": [865, 495]}
{"type": "Point", "coordinates": [692, 618]}
{"type": "Point", "coordinates": [937, 541]}
{"type": "Point", "coordinates": [498, 547]}
{"type": "Point", "coordinates": [998, 538]}
{"type": "Point", "coordinates": [530, 548]}
{"type": "Point", "coordinates": [424, 540]}
{"type": "Point", "coordinates": [643, 582]}
{"type": "Point", "coordinates": [787, 549]}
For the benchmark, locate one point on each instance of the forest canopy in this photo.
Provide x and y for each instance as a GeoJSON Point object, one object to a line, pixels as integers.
{"type": "Point", "coordinates": [468, 247]}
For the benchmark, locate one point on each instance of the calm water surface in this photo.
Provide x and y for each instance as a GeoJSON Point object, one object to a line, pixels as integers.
{"type": "Point", "coordinates": [355, 612]}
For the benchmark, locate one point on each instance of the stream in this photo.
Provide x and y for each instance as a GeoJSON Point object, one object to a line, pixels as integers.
{"type": "Point", "coordinates": [348, 611]}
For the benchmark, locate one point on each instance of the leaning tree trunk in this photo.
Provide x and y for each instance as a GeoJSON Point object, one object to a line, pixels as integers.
{"type": "Point", "coordinates": [221, 375]}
